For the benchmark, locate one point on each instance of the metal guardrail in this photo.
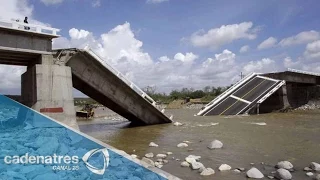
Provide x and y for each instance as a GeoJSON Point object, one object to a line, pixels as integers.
{"type": "Point", "coordinates": [31, 27]}
{"type": "Point", "coordinates": [121, 76]}
{"type": "Point", "coordinates": [225, 93]}
{"type": "Point", "coordinates": [271, 92]}
{"type": "Point", "coordinates": [303, 72]}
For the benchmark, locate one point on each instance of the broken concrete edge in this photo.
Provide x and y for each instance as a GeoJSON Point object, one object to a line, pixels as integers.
{"type": "Point", "coordinates": [120, 152]}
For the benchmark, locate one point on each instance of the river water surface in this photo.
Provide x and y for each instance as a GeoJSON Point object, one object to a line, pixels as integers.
{"type": "Point", "coordinates": [293, 136]}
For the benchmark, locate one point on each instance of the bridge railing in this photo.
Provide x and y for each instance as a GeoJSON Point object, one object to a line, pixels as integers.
{"type": "Point", "coordinates": [121, 76]}
{"type": "Point", "coordinates": [225, 93]}
{"type": "Point", "coordinates": [29, 27]}
{"type": "Point", "coordinates": [303, 72]}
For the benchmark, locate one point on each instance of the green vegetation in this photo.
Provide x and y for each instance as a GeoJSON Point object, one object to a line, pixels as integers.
{"type": "Point", "coordinates": [207, 94]}
{"type": "Point", "coordinates": [83, 101]}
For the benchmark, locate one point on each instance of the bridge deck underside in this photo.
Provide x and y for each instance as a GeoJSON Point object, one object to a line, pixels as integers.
{"type": "Point", "coordinates": [18, 57]}
{"type": "Point", "coordinates": [245, 96]}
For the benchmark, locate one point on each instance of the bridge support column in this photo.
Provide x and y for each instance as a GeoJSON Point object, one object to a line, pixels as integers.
{"type": "Point", "coordinates": [48, 89]}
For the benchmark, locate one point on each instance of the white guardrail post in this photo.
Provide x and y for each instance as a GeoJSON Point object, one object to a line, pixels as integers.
{"type": "Point", "coordinates": [225, 93]}
{"type": "Point", "coordinates": [32, 27]}
{"type": "Point", "coordinates": [121, 76]}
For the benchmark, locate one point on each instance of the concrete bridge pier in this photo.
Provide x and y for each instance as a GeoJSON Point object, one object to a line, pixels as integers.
{"type": "Point", "coordinates": [47, 88]}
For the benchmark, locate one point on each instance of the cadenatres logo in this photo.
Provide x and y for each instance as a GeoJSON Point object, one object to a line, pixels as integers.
{"type": "Point", "coordinates": [105, 155]}
{"type": "Point", "coordinates": [66, 163]}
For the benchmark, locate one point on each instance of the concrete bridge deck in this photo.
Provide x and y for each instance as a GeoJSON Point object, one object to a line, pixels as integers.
{"type": "Point", "coordinates": [94, 77]}
{"type": "Point", "coordinates": [242, 96]}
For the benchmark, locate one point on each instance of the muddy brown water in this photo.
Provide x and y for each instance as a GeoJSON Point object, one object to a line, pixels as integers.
{"type": "Point", "coordinates": [293, 136]}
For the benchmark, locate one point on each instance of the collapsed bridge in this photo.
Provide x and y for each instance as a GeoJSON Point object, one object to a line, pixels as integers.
{"type": "Point", "coordinates": [47, 85]}
{"type": "Point", "coordinates": [261, 93]}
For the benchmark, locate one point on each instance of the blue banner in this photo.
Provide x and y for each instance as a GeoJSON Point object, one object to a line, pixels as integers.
{"type": "Point", "coordinates": [34, 147]}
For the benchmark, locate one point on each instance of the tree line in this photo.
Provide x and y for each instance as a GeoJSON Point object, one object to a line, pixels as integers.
{"type": "Point", "coordinates": [206, 94]}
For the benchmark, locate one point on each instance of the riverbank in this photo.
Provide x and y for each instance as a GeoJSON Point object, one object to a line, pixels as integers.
{"type": "Point", "coordinates": [260, 139]}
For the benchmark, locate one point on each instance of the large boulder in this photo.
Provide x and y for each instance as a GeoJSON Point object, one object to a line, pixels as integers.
{"type": "Point", "coordinates": [182, 145]}
{"type": "Point", "coordinates": [284, 165]}
{"type": "Point", "coordinates": [161, 156]}
{"type": "Point", "coordinates": [152, 144]}
{"type": "Point", "coordinates": [283, 174]}
{"type": "Point", "coordinates": [224, 167]}
{"type": "Point", "coordinates": [215, 144]}
{"type": "Point", "coordinates": [185, 164]}
{"type": "Point", "coordinates": [149, 155]}
{"type": "Point", "coordinates": [196, 165]}
{"type": "Point", "coordinates": [315, 166]}
{"type": "Point", "coordinates": [207, 172]}
{"type": "Point", "coordinates": [255, 173]}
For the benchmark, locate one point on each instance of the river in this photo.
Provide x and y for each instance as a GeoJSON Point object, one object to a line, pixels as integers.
{"type": "Point", "coordinates": [293, 136]}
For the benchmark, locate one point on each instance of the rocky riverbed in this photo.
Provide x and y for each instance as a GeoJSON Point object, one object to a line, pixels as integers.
{"type": "Point", "coordinates": [257, 142]}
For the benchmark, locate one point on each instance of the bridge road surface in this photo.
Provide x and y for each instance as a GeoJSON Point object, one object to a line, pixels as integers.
{"type": "Point", "coordinates": [243, 97]}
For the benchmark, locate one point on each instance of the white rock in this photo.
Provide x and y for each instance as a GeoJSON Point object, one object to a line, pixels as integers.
{"type": "Point", "coordinates": [185, 164]}
{"type": "Point", "coordinates": [190, 160]}
{"type": "Point", "coordinates": [149, 161]}
{"type": "Point", "coordinates": [196, 165]}
{"type": "Point", "coordinates": [207, 172]}
{"type": "Point", "coordinates": [285, 165]}
{"type": "Point", "coordinates": [283, 174]}
{"type": "Point", "coordinates": [317, 177]}
{"type": "Point", "coordinates": [149, 155]}
{"type": "Point", "coordinates": [260, 123]}
{"type": "Point", "coordinates": [254, 173]}
{"type": "Point", "coordinates": [309, 174]}
{"type": "Point", "coordinates": [169, 153]}
{"type": "Point", "coordinates": [307, 169]}
{"type": "Point", "coordinates": [158, 165]}
{"type": "Point", "coordinates": [161, 156]}
{"type": "Point", "coordinates": [241, 169]}
{"type": "Point", "coordinates": [216, 144]}
{"type": "Point", "coordinates": [237, 171]}
{"type": "Point", "coordinates": [201, 169]}
{"type": "Point", "coordinates": [197, 158]}
{"type": "Point", "coordinates": [182, 145]}
{"type": "Point", "coordinates": [177, 124]}
{"type": "Point", "coordinates": [186, 142]}
{"type": "Point", "coordinates": [159, 160]}
{"type": "Point", "coordinates": [224, 167]}
{"type": "Point", "coordinates": [152, 144]}
{"type": "Point", "coordinates": [270, 177]}
{"type": "Point", "coordinates": [315, 166]}
{"type": "Point", "coordinates": [134, 156]}
{"type": "Point", "coordinates": [165, 161]}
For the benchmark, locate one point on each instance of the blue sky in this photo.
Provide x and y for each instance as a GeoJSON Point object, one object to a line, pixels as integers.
{"type": "Point", "coordinates": [170, 43]}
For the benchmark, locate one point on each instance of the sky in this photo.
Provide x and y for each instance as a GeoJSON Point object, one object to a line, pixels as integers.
{"type": "Point", "coordinates": [171, 44]}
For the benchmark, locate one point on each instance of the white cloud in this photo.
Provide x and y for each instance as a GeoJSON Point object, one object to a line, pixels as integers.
{"type": "Point", "coordinates": [302, 64]}
{"type": "Point", "coordinates": [51, 2]}
{"type": "Point", "coordinates": [96, 3]}
{"type": "Point", "coordinates": [262, 66]}
{"type": "Point", "coordinates": [189, 57]}
{"type": "Point", "coordinates": [15, 9]}
{"type": "Point", "coordinates": [301, 38]}
{"type": "Point", "coordinates": [155, 1]}
{"type": "Point", "coordinates": [244, 49]}
{"type": "Point", "coordinates": [313, 50]}
{"type": "Point", "coordinates": [226, 34]}
{"type": "Point", "coordinates": [268, 43]}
